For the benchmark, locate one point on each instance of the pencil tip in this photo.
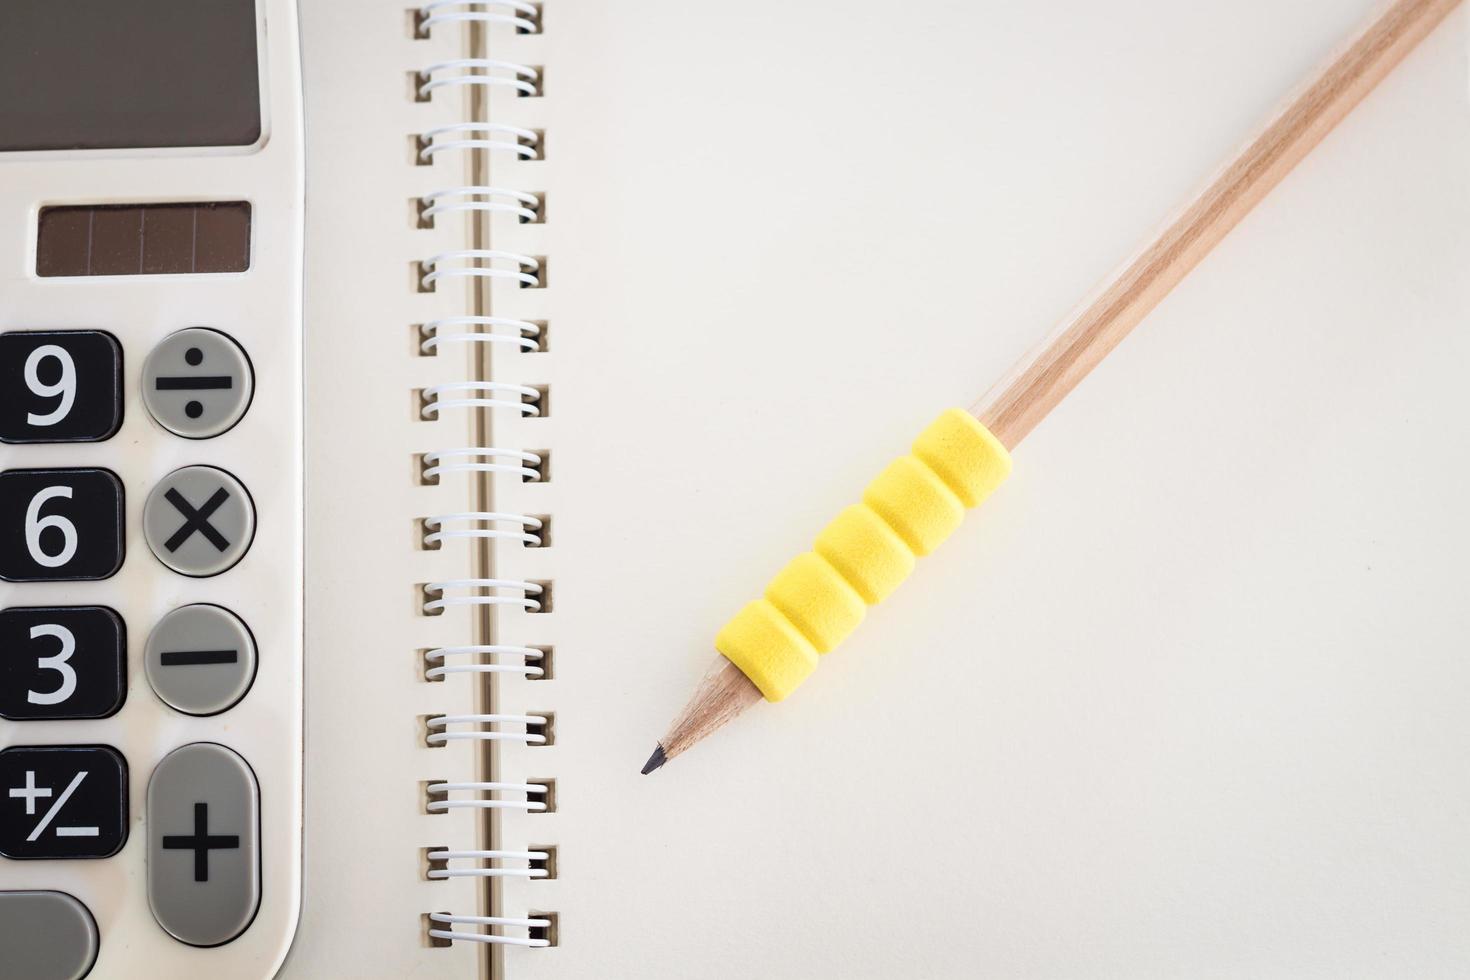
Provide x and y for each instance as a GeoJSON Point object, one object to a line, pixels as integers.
{"type": "Point", "coordinates": [654, 761]}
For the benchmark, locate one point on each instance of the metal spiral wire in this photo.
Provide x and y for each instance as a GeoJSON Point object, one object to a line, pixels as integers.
{"type": "Point", "coordinates": [457, 531]}
{"type": "Point", "coordinates": [484, 72]}
{"type": "Point", "coordinates": [524, 17]}
{"type": "Point", "coordinates": [492, 868]}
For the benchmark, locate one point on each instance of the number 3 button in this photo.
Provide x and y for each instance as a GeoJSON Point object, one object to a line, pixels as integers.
{"type": "Point", "coordinates": [59, 386]}
{"type": "Point", "coordinates": [60, 525]}
{"type": "Point", "coordinates": [61, 663]}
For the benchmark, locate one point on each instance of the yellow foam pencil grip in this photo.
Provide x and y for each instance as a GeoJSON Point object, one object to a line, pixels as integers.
{"type": "Point", "coordinates": [863, 555]}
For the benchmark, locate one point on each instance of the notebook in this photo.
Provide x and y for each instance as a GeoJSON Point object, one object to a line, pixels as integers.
{"type": "Point", "coordinates": [1184, 698]}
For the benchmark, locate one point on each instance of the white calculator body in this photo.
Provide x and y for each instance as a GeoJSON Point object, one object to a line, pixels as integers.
{"type": "Point", "coordinates": [151, 487]}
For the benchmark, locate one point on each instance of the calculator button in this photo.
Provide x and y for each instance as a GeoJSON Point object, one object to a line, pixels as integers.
{"type": "Point", "coordinates": [63, 801]}
{"type": "Point", "coordinates": [62, 662]}
{"type": "Point", "coordinates": [46, 936]}
{"type": "Point", "coordinates": [197, 383]}
{"type": "Point", "coordinates": [60, 386]}
{"type": "Point", "coordinates": [199, 521]}
{"type": "Point", "coordinates": [200, 659]}
{"type": "Point", "coordinates": [60, 525]}
{"type": "Point", "coordinates": [203, 844]}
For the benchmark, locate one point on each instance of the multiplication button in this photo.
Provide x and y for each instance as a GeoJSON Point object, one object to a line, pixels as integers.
{"type": "Point", "coordinates": [199, 521]}
{"type": "Point", "coordinates": [197, 383]}
{"type": "Point", "coordinates": [200, 659]}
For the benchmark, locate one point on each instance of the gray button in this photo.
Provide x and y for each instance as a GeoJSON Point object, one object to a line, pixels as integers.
{"type": "Point", "coordinates": [203, 844]}
{"type": "Point", "coordinates": [200, 659]}
{"type": "Point", "coordinates": [46, 936]}
{"type": "Point", "coordinates": [199, 521]}
{"type": "Point", "coordinates": [197, 383]}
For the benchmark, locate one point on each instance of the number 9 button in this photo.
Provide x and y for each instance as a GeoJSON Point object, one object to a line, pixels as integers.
{"type": "Point", "coordinates": [59, 386]}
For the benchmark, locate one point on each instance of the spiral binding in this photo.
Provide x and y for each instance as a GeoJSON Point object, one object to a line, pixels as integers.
{"type": "Point", "coordinates": [525, 17]}
{"type": "Point", "coordinates": [491, 869]}
{"type": "Point", "coordinates": [527, 402]}
{"type": "Point", "coordinates": [438, 464]}
{"type": "Point", "coordinates": [485, 937]}
{"type": "Point", "coordinates": [479, 263]}
{"type": "Point", "coordinates": [445, 663]}
{"type": "Point", "coordinates": [525, 206]}
{"type": "Point", "coordinates": [524, 143]}
{"type": "Point", "coordinates": [485, 72]}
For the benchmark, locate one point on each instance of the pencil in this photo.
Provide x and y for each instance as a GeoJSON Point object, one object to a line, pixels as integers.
{"type": "Point", "coordinates": [772, 644]}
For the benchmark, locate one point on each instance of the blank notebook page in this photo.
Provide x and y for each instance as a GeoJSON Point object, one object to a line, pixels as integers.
{"type": "Point", "coordinates": [1185, 698]}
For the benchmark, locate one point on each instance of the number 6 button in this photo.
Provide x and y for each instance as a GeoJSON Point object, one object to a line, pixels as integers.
{"type": "Point", "coordinates": [59, 386]}
{"type": "Point", "coordinates": [60, 525]}
{"type": "Point", "coordinates": [61, 663]}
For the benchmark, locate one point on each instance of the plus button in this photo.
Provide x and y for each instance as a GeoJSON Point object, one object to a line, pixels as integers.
{"type": "Point", "coordinates": [201, 843]}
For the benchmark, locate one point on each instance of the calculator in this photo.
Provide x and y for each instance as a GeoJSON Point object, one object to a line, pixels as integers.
{"type": "Point", "coordinates": [151, 487]}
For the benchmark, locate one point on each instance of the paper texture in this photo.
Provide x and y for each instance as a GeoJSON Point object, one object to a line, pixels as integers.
{"type": "Point", "coordinates": [1184, 697]}
{"type": "Point", "coordinates": [366, 824]}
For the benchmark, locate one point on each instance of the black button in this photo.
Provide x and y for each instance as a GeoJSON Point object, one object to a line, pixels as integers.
{"type": "Point", "coordinates": [60, 386]}
{"type": "Point", "coordinates": [60, 525]}
{"type": "Point", "coordinates": [63, 801]}
{"type": "Point", "coordinates": [61, 663]}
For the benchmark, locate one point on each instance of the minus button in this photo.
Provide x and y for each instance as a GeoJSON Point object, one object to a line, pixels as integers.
{"type": "Point", "coordinates": [192, 658]}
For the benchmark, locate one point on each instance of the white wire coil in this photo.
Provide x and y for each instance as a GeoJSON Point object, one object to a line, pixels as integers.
{"type": "Point", "coordinates": [491, 921]}
{"type": "Point", "coordinates": [437, 533]}
{"type": "Point", "coordinates": [487, 802]}
{"type": "Point", "coordinates": [480, 263]}
{"type": "Point", "coordinates": [440, 734]}
{"type": "Point", "coordinates": [526, 207]}
{"type": "Point", "coordinates": [445, 461]}
{"type": "Point", "coordinates": [481, 592]}
{"type": "Point", "coordinates": [439, 656]}
{"type": "Point", "coordinates": [523, 16]}
{"type": "Point", "coordinates": [492, 137]}
{"type": "Point", "coordinates": [527, 402]}
{"type": "Point", "coordinates": [490, 869]}
{"type": "Point", "coordinates": [484, 72]}
{"type": "Point", "coordinates": [527, 336]}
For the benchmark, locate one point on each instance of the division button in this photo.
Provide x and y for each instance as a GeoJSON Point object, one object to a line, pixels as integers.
{"type": "Point", "coordinates": [199, 521]}
{"type": "Point", "coordinates": [200, 659]}
{"type": "Point", "coordinates": [197, 383]}
{"type": "Point", "coordinates": [46, 936]}
{"type": "Point", "coordinates": [203, 844]}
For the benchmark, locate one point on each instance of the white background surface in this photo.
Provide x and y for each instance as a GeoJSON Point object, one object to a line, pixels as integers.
{"type": "Point", "coordinates": [1186, 697]}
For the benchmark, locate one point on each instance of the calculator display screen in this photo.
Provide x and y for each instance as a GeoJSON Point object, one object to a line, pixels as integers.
{"type": "Point", "coordinates": [106, 74]}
